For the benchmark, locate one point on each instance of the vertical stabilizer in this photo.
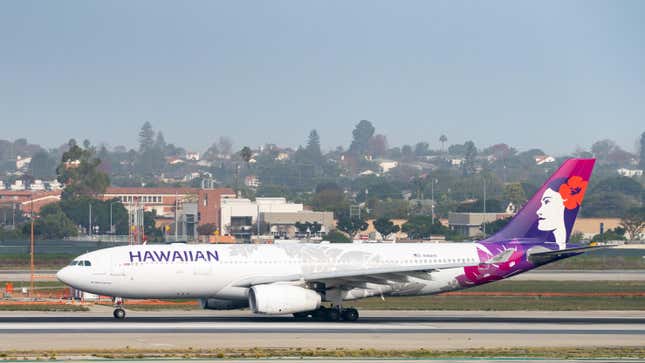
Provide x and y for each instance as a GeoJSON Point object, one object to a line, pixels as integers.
{"type": "Point", "coordinates": [549, 215]}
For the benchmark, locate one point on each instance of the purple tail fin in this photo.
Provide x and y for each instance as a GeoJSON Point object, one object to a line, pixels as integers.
{"type": "Point", "coordinates": [549, 215]}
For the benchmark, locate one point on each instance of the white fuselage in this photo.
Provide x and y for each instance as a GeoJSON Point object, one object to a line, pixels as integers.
{"type": "Point", "coordinates": [217, 271]}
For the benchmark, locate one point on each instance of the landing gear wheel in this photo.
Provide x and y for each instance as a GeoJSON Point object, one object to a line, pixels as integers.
{"type": "Point", "coordinates": [332, 315]}
{"type": "Point", "coordinates": [350, 315]}
{"type": "Point", "coordinates": [301, 315]}
{"type": "Point", "coordinates": [119, 313]}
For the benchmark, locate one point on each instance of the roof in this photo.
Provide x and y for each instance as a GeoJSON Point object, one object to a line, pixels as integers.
{"type": "Point", "coordinates": [144, 190]}
{"type": "Point", "coordinates": [161, 190]}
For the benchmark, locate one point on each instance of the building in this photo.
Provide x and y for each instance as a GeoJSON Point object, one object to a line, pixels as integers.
{"type": "Point", "coordinates": [252, 181]}
{"type": "Point", "coordinates": [165, 202]}
{"type": "Point", "coordinates": [17, 185]}
{"type": "Point", "coordinates": [387, 165]}
{"type": "Point", "coordinates": [243, 218]}
{"type": "Point", "coordinates": [193, 156]}
{"type": "Point", "coordinates": [25, 200]}
{"type": "Point", "coordinates": [544, 159]}
{"type": "Point", "coordinates": [22, 163]}
{"type": "Point", "coordinates": [469, 224]}
{"type": "Point", "coordinates": [37, 185]}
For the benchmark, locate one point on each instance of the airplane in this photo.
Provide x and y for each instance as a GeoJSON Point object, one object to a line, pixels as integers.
{"type": "Point", "coordinates": [297, 279]}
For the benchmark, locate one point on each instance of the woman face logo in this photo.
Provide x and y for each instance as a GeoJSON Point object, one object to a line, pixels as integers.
{"type": "Point", "coordinates": [551, 212]}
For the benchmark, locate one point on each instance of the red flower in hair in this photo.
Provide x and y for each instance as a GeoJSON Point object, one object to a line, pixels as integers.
{"type": "Point", "coordinates": [573, 191]}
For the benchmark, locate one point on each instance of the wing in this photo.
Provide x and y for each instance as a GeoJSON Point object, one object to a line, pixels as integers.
{"type": "Point", "coordinates": [367, 274]}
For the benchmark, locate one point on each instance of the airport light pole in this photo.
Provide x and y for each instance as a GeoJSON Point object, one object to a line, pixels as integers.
{"type": "Point", "coordinates": [111, 224]}
{"type": "Point", "coordinates": [31, 254]}
{"type": "Point", "coordinates": [434, 181]}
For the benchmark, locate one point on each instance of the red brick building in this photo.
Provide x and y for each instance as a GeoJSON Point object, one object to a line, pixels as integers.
{"type": "Point", "coordinates": [26, 199]}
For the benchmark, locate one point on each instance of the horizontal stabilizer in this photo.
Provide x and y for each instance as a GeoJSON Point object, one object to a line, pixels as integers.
{"type": "Point", "coordinates": [540, 258]}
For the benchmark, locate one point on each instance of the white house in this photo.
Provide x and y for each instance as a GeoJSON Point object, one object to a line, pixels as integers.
{"type": "Point", "coordinates": [194, 156]}
{"type": "Point", "coordinates": [544, 159]}
{"type": "Point", "coordinates": [17, 185]}
{"type": "Point", "coordinates": [37, 185]}
{"type": "Point", "coordinates": [22, 162]}
{"type": "Point", "coordinates": [387, 165]}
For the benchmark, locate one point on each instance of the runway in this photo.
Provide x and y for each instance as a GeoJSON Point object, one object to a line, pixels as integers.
{"type": "Point", "coordinates": [375, 329]}
{"type": "Point", "coordinates": [534, 275]}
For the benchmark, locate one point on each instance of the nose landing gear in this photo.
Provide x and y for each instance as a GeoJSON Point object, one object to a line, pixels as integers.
{"type": "Point", "coordinates": [119, 312]}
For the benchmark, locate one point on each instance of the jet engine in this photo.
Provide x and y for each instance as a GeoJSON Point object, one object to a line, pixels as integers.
{"type": "Point", "coordinates": [220, 304]}
{"type": "Point", "coordinates": [282, 299]}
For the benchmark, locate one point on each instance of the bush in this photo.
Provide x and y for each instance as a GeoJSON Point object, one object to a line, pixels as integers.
{"type": "Point", "coordinates": [336, 236]}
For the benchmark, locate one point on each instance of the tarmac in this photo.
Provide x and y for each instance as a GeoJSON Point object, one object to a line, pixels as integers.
{"type": "Point", "coordinates": [382, 330]}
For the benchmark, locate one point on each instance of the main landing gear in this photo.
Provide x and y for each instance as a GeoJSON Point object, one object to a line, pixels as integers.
{"type": "Point", "coordinates": [119, 312]}
{"type": "Point", "coordinates": [329, 314]}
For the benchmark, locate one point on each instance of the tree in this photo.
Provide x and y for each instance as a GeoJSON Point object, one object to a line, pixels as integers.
{"type": "Point", "coordinates": [385, 227]}
{"type": "Point", "coordinates": [362, 133]}
{"type": "Point", "coordinates": [420, 227]}
{"type": "Point", "coordinates": [495, 226]}
{"type": "Point", "coordinates": [634, 222]}
{"type": "Point", "coordinates": [207, 229]}
{"type": "Point", "coordinates": [54, 223]}
{"type": "Point", "coordinates": [42, 166]}
{"type": "Point", "coordinates": [514, 193]}
{"type": "Point", "coordinates": [469, 158]}
{"type": "Point", "coordinates": [79, 172]}
{"type": "Point", "coordinates": [212, 153]}
{"type": "Point", "coordinates": [616, 234]}
{"type": "Point", "coordinates": [146, 137]}
{"type": "Point", "coordinates": [335, 236]}
{"type": "Point", "coordinates": [330, 197]}
{"type": "Point", "coordinates": [160, 142]}
{"type": "Point", "coordinates": [378, 145]}
{"type": "Point", "coordinates": [351, 225]}
{"type": "Point", "coordinates": [313, 147]}
{"type": "Point", "coordinates": [443, 139]}
{"type": "Point", "coordinates": [225, 145]}
{"type": "Point", "coordinates": [246, 154]}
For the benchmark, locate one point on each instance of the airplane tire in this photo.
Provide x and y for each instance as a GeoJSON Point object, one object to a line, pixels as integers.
{"type": "Point", "coordinates": [350, 315]}
{"type": "Point", "coordinates": [119, 314]}
{"type": "Point", "coordinates": [301, 315]}
{"type": "Point", "coordinates": [332, 315]}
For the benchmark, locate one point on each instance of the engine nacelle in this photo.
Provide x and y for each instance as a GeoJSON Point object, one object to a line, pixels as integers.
{"type": "Point", "coordinates": [220, 304]}
{"type": "Point", "coordinates": [282, 299]}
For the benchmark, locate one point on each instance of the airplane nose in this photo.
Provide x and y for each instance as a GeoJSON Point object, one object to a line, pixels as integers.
{"type": "Point", "coordinates": [64, 275]}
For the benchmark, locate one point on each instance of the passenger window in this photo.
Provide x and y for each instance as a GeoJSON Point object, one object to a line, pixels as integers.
{"type": "Point", "coordinates": [87, 263]}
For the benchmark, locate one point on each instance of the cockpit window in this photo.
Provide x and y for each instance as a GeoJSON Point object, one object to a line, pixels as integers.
{"type": "Point", "coordinates": [80, 263]}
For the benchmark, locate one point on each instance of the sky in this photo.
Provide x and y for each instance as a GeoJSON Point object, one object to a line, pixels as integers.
{"type": "Point", "coordinates": [554, 75]}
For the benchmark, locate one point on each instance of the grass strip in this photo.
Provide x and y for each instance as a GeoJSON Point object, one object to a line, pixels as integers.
{"type": "Point", "coordinates": [42, 307]}
{"type": "Point", "coordinates": [628, 352]}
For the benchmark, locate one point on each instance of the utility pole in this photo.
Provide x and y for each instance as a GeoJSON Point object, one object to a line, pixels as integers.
{"type": "Point", "coordinates": [31, 264]}
{"type": "Point", "coordinates": [111, 225]}
{"type": "Point", "coordinates": [485, 219]}
{"type": "Point", "coordinates": [176, 216]}
{"type": "Point", "coordinates": [89, 222]}
{"type": "Point", "coordinates": [434, 181]}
